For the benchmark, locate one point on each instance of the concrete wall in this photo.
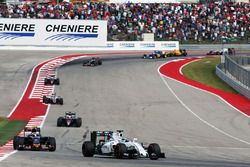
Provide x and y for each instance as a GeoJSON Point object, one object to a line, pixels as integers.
{"type": "Point", "coordinates": [232, 82]}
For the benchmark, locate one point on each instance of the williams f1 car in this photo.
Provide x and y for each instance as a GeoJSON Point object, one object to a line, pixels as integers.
{"type": "Point", "coordinates": [69, 120]}
{"type": "Point", "coordinates": [33, 140]}
{"type": "Point", "coordinates": [52, 99]}
{"type": "Point", "coordinates": [114, 144]}
{"type": "Point", "coordinates": [94, 61]}
{"type": "Point", "coordinates": [51, 80]}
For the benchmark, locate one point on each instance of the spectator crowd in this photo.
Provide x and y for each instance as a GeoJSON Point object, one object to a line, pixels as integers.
{"type": "Point", "coordinates": [213, 22]}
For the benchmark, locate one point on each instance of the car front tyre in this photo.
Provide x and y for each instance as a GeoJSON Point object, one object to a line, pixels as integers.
{"type": "Point", "coordinates": [154, 151]}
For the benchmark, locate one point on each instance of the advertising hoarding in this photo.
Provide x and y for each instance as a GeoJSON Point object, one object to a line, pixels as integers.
{"type": "Point", "coordinates": [53, 32]}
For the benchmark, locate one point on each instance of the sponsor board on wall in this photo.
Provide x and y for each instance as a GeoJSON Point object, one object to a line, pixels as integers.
{"type": "Point", "coordinates": [53, 32]}
{"type": "Point", "coordinates": [141, 45]}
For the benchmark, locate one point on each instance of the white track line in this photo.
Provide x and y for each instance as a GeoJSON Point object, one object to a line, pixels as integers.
{"type": "Point", "coordinates": [204, 90]}
{"type": "Point", "coordinates": [197, 116]}
{"type": "Point", "coordinates": [43, 68]}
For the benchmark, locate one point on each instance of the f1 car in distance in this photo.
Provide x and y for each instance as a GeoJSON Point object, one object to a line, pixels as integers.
{"type": "Point", "coordinates": [114, 144]}
{"type": "Point", "coordinates": [229, 51]}
{"type": "Point", "coordinates": [174, 53]}
{"type": "Point", "coordinates": [69, 120]}
{"type": "Point", "coordinates": [52, 99]}
{"type": "Point", "coordinates": [154, 55]}
{"type": "Point", "coordinates": [33, 140]}
{"type": "Point", "coordinates": [94, 61]}
{"type": "Point", "coordinates": [164, 54]}
{"type": "Point", "coordinates": [51, 80]}
{"type": "Point", "coordinates": [211, 52]}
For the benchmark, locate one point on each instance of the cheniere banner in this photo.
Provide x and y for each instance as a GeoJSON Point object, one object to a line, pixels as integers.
{"type": "Point", "coordinates": [53, 32]}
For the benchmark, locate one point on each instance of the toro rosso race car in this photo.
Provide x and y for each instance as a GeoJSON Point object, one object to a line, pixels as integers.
{"type": "Point", "coordinates": [69, 120]}
{"type": "Point", "coordinates": [52, 99]}
{"type": "Point", "coordinates": [154, 55]}
{"type": "Point", "coordinates": [51, 80]}
{"type": "Point", "coordinates": [32, 140]}
{"type": "Point", "coordinates": [165, 54]}
{"type": "Point", "coordinates": [94, 61]}
{"type": "Point", "coordinates": [114, 144]}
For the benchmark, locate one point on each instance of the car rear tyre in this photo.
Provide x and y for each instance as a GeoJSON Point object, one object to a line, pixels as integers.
{"type": "Point", "coordinates": [99, 62]}
{"type": "Point", "coordinates": [88, 149]}
{"type": "Point", "coordinates": [57, 81]}
{"type": "Point", "coordinates": [20, 143]}
{"type": "Point", "coordinates": [60, 101]}
{"type": "Point", "coordinates": [15, 140]}
{"type": "Point", "coordinates": [120, 149]}
{"type": "Point", "coordinates": [60, 121]}
{"type": "Point", "coordinates": [78, 122]}
{"type": "Point", "coordinates": [45, 99]}
{"type": "Point", "coordinates": [45, 81]}
{"type": "Point", "coordinates": [52, 144]}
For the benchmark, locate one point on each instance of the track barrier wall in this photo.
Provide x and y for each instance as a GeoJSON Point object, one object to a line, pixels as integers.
{"type": "Point", "coordinates": [234, 74]}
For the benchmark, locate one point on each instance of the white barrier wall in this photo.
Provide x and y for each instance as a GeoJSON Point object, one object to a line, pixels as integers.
{"type": "Point", "coordinates": [43, 32]}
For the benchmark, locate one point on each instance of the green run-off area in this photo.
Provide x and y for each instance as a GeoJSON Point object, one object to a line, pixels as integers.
{"type": "Point", "coordinates": [203, 71]}
{"type": "Point", "coordinates": [10, 128]}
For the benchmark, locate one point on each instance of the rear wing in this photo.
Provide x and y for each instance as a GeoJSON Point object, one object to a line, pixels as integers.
{"type": "Point", "coordinates": [97, 136]}
{"type": "Point", "coordinates": [28, 130]}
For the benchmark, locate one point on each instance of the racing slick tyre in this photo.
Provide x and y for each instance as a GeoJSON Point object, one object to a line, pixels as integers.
{"type": "Point", "coordinates": [119, 151]}
{"type": "Point", "coordinates": [78, 122]}
{"type": "Point", "coordinates": [45, 81]}
{"type": "Point", "coordinates": [45, 100]}
{"type": "Point", "coordinates": [52, 144]}
{"type": "Point", "coordinates": [59, 101]}
{"type": "Point", "coordinates": [20, 143]}
{"type": "Point", "coordinates": [60, 121]}
{"type": "Point", "coordinates": [154, 151]}
{"type": "Point", "coordinates": [88, 149]}
{"type": "Point", "coordinates": [15, 140]}
{"type": "Point", "coordinates": [57, 81]}
{"type": "Point", "coordinates": [99, 62]}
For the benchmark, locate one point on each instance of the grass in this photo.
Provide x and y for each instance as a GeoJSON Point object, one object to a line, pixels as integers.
{"type": "Point", "coordinates": [203, 71]}
{"type": "Point", "coordinates": [9, 128]}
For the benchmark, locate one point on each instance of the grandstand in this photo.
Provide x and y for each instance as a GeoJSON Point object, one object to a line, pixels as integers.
{"type": "Point", "coordinates": [198, 23]}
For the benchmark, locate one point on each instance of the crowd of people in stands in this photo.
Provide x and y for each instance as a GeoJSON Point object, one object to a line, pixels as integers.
{"type": "Point", "coordinates": [214, 21]}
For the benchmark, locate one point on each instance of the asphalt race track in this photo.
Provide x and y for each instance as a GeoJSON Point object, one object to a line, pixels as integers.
{"type": "Point", "coordinates": [193, 128]}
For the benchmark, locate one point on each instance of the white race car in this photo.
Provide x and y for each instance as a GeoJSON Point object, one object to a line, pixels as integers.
{"type": "Point", "coordinates": [114, 144]}
{"type": "Point", "coordinates": [51, 80]}
{"type": "Point", "coordinates": [53, 99]}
